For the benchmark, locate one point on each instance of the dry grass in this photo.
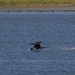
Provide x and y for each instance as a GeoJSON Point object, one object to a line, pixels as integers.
{"type": "Point", "coordinates": [36, 2]}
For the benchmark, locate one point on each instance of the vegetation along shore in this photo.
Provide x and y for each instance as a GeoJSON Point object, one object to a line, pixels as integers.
{"type": "Point", "coordinates": [38, 3]}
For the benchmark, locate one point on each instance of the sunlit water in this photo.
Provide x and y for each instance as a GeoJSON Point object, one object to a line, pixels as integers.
{"type": "Point", "coordinates": [56, 30]}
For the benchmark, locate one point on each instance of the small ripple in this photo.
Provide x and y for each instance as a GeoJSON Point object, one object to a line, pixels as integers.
{"type": "Point", "coordinates": [68, 48]}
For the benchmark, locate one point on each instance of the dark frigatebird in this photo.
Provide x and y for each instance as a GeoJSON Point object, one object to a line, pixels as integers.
{"type": "Point", "coordinates": [36, 45]}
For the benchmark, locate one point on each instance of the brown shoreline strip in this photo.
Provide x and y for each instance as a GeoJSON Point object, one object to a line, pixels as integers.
{"type": "Point", "coordinates": [43, 9]}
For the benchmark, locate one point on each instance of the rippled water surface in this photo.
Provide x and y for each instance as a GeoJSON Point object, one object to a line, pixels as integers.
{"type": "Point", "coordinates": [56, 30]}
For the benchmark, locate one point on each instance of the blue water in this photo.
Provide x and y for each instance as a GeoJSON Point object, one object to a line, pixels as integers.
{"type": "Point", "coordinates": [56, 30]}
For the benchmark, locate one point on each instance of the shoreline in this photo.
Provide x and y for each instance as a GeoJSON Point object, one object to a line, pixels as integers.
{"type": "Point", "coordinates": [38, 9]}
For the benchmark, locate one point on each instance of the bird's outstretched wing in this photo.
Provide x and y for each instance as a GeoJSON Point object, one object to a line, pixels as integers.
{"type": "Point", "coordinates": [34, 43]}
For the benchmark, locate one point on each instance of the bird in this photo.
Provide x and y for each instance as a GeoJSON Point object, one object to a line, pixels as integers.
{"type": "Point", "coordinates": [36, 45]}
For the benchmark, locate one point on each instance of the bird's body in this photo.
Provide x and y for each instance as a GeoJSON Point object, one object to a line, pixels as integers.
{"type": "Point", "coordinates": [36, 45]}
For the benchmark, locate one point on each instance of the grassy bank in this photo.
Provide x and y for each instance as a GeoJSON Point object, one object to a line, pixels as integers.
{"type": "Point", "coordinates": [35, 2]}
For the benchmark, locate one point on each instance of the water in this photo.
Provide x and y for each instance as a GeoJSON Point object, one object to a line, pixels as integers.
{"type": "Point", "coordinates": [56, 31]}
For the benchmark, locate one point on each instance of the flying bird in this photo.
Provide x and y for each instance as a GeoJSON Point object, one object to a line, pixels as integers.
{"type": "Point", "coordinates": [36, 45]}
